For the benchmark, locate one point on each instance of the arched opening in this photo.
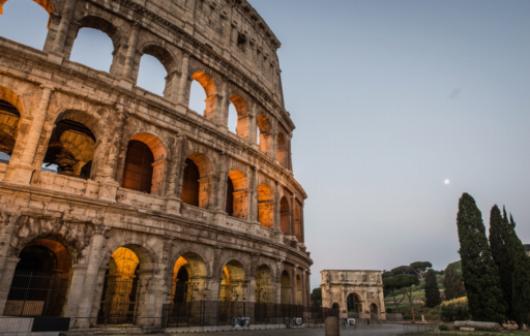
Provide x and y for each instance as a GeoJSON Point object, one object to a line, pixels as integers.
{"type": "Point", "coordinates": [299, 290]}
{"type": "Point", "coordinates": [236, 194]}
{"type": "Point", "coordinates": [189, 276]}
{"type": "Point", "coordinates": [265, 206]}
{"type": "Point", "coordinates": [144, 166]}
{"type": "Point", "coordinates": [282, 150]}
{"type": "Point", "coordinates": [232, 287]}
{"type": "Point", "coordinates": [94, 44]}
{"type": "Point", "coordinates": [15, 12]}
{"type": "Point", "coordinates": [191, 183]}
{"type": "Point", "coordinates": [238, 120]}
{"type": "Point", "coordinates": [264, 128]}
{"type": "Point", "coordinates": [9, 117]}
{"type": "Point", "coordinates": [374, 312]}
{"type": "Point", "coordinates": [71, 147]}
{"type": "Point", "coordinates": [264, 291]}
{"type": "Point", "coordinates": [297, 219]}
{"type": "Point", "coordinates": [203, 94]}
{"type": "Point", "coordinates": [152, 75]}
{"type": "Point", "coordinates": [120, 289]}
{"type": "Point", "coordinates": [195, 182]}
{"type": "Point", "coordinates": [286, 290]}
{"type": "Point", "coordinates": [285, 216]}
{"type": "Point", "coordinates": [138, 171]}
{"type": "Point", "coordinates": [155, 66]}
{"type": "Point", "coordinates": [41, 280]}
{"type": "Point", "coordinates": [353, 304]}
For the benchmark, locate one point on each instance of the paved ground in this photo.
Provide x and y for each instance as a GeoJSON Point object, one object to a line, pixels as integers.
{"type": "Point", "coordinates": [379, 330]}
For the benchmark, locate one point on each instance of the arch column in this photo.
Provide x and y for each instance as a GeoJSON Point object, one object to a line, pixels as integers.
{"type": "Point", "coordinates": [6, 277]}
{"type": "Point", "coordinates": [221, 176]}
{"type": "Point", "coordinates": [252, 196]}
{"type": "Point", "coordinates": [221, 118]}
{"type": "Point", "coordinates": [252, 126]}
{"type": "Point", "coordinates": [76, 290]}
{"type": "Point", "coordinates": [127, 70]}
{"type": "Point", "coordinates": [58, 29]}
{"type": "Point", "coordinates": [277, 206]}
{"type": "Point", "coordinates": [184, 84]}
{"type": "Point", "coordinates": [172, 86]}
{"type": "Point", "coordinates": [21, 165]}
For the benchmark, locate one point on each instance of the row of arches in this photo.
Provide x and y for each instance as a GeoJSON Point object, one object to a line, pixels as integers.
{"type": "Point", "coordinates": [74, 143]}
{"type": "Point", "coordinates": [354, 307]}
{"type": "Point", "coordinates": [43, 275]}
{"type": "Point", "coordinates": [152, 67]}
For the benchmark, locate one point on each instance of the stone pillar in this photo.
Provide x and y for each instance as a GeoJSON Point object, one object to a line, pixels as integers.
{"type": "Point", "coordinates": [252, 125]}
{"type": "Point", "coordinates": [220, 177]}
{"type": "Point", "coordinates": [274, 140]}
{"type": "Point", "coordinates": [184, 84]}
{"type": "Point", "coordinates": [223, 100]}
{"type": "Point", "coordinates": [173, 175]}
{"type": "Point", "coordinates": [252, 195]}
{"type": "Point", "coordinates": [277, 215]}
{"type": "Point", "coordinates": [91, 277]}
{"type": "Point", "coordinates": [6, 277]}
{"type": "Point", "coordinates": [129, 69]}
{"type": "Point", "coordinates": [7, 228]}
{"type": "Point", "coordinates": [21, 165]}
{"type": "Point", "coordinates": [172, 86]}
{"type": "Point", "coordinates": [57, 33]}
{"type": "Point", "coordinates": [76, 290]}
{"type": "Point", "coordinates": [152, 296]}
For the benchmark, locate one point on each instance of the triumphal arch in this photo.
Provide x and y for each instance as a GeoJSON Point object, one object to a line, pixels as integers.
{"type": "Point", "coordinates": [119, 205]}
{"type": "Point", "coordinates": [354, 293]}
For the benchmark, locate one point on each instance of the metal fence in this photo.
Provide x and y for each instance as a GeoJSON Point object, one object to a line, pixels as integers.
{"type": "Point", "coordinates": [210, 313]}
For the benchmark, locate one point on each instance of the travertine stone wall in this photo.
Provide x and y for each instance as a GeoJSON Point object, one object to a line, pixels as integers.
{"type": "Point", "coordinates": [366, 286]}
{"type": "Point", "coordinates": [229, 49]}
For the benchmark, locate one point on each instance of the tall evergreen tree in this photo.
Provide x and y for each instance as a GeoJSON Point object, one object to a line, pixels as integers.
{"type": "Point", "coordinates": [480, 272]}
{"type": "Point", "coordinates": [520, 305]}
{"type": "Point", "coordinates": [432, 293]}
{"type": "Point", "coordinates": [500, 249]}
{"type": "Point", "coordinates": [453, 281]}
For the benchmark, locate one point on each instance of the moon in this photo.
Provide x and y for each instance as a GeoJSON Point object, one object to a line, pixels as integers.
{"type": "Point", "coordinates": [447, 182]}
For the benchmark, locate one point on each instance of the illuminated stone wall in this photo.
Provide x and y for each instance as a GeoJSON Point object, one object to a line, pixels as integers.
{"type": "Point", "coordinates": [82, 121]}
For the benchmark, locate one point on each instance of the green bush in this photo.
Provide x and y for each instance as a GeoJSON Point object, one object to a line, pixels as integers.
{"type": "Point", "coordinates": [454, 312]}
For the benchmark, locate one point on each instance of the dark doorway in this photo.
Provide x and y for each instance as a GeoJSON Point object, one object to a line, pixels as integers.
{"type": "Point", "coordinates": [354, 305]}
{"type": "Point", "coordinates": [229, 197]}
{"type": "Point", "coordinates": [190, 184]}
{"type": "Point", "coordinates": [181, 286]}
{"type": "Point", "coordinates": [138, 171]}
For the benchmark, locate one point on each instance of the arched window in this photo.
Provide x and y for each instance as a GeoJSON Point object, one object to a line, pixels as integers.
{"type": "Point", "coordinates": [238, 119]}
{"type": "Point", "coordinates": [264, 290]}
{"type": "Point", "coordinates": [9, 117]}
{"type": "Point", "coordinates": [265, 206]}
{"type": "Point", "coordinates": [93, 45]}
{"type": "Point", "coordinates": [190, 183]}
{"type": "Point", "coordinates": [16, 12]}
{"type": "Point", "coordinates": [237, 194]}
{"type": "Point", "coordinates": [285, 216]}
{"type": "Point", "coordinates": [286, 292]}
{"type": "Point", "coordinates": [189, 279]}
{"type": "Point", "coordinates": [138, 171]}
{"type": "Point", "coordinates": [203, 94]}
{"type": "Point", "coordinates": [152, 75]}
{"type": "Point", "coordinates": [353, 304]}
{"type": "Point", "coordinates": [282, 150]}
{"type": "Point", "coordinates": [297, 219]}
{"type": "Point", "coordinates": [232, 286]}
{"type": "Point", "coordinates": [264, 133]}
{"type": "Point", "coordinates": [71, 148]}
{"type": "Point", "coordinates": [40, 281]}
{"type": "Point", "coordinates": [299, 290]}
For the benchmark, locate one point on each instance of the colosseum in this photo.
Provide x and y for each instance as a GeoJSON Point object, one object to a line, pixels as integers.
{"type": "Point", "coordinates": [121, 206]}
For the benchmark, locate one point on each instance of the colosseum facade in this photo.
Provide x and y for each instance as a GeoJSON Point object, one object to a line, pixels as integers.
{"type": "Point", "coordinates": [116, 202]}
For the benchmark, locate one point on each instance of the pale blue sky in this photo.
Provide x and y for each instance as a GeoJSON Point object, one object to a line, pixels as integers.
{"type": "Point", "coordinates": [390, 98]}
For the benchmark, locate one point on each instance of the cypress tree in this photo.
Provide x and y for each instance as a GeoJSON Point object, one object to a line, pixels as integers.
{"type": "Point", "coordinates": [480, 272]}
{"type": "Point", "coordinates": [432, 293]}
{"type": "Point", "coordinates": [453, 282]}
{"type": "Point", "coordinates": [500, 249]}
{"type": "Point", "coordinates": [520, 305]}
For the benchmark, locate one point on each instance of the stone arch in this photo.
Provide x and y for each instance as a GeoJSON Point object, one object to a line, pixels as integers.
{"type": "Point", "coordinates": [195, 180]}
{"type": "Point", "coordinates": [285, 216]}
{"type": "Point", "coordinates": [72, 144]}
{"type": "Point", "coordinates": [374, 311]}
{"type": "Point", "coordinates": [237, 194]}
{"type": "Point", "coordinates": [354, 304]}
{"type": "Point", "coordinates": [98, 23]}
{"type": "Point", "coordinates": [282, 150]}
{"type": "Point", "coordinates": [286, 288]}
{"type": "Point", "coordinates": [264, 134]}
{"type": "Point", "coordinates": [165, 58]}
{"type": "Point", "coordinates": [297, 221]}
{"type": "Point", "coordinates": [207, 82]}
{"type": "Point", "coordinates": [124, 296]}
{"type": "Point", "coordinates": [233, 282]}
{"type": "Point", "coordinates": [265, 205]}
{"type": "Point", "coordinates": [240, 104]}
{"type": "Point", "coordinates": [41, 279]}
{"type": "Point", "coordinates": [145, 164]}
{"type": "Point", "coordinates": [10, 115]}
{"type": "Point", "coordinates": [188, 278]}
{"type": "Point", "coordinates": [264, 292]}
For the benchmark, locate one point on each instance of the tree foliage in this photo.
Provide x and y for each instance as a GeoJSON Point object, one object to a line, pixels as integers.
{"type": "Point", "coordinates": [480, 272]}
{"type": "Point", "coordinates": [432, 293]}
{"type": "Point", "coordinates": [453, 281]}
{"type": "Point", "coordinates": [316, 297]}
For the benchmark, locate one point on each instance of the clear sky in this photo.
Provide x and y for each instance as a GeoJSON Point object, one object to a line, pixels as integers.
{"type": "Point", "coordinates": [390, 98]}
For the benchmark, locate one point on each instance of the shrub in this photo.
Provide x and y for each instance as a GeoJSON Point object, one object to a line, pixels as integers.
{"type": "Point", "coordinates": [455, 310]}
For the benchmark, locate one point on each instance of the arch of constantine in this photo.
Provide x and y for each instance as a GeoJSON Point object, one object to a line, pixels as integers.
{"type": "Point", "coordinates": [115, 202]}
